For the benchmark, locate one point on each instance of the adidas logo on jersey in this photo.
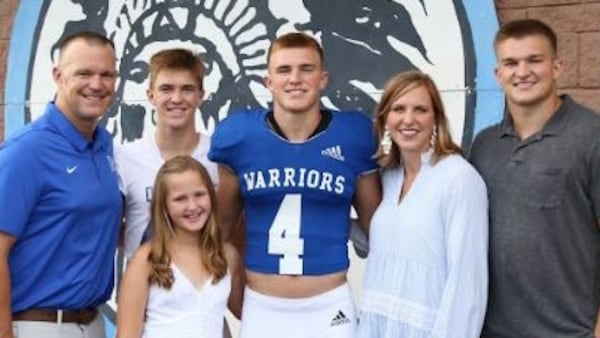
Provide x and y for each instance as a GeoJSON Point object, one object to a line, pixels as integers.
{"type": "Point", "coordinates": [334, 152]}
{"type": "Point", "coordinates": [339, 319]}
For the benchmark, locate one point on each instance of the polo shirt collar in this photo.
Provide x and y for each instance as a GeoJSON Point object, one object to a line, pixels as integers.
{"type": "Point", "coordinates": [72, 134]}
{"type": "Point", "coordinates": [553, 127]}
{"type": "Point", "coordinates": [507, 126]}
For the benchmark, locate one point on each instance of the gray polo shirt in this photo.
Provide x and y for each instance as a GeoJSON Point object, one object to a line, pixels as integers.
{"type": "Point", "coordinates": [544, 195]}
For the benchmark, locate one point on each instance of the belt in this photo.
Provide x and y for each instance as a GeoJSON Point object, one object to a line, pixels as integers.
{"type": "Point", "coordinates": [84, 316]}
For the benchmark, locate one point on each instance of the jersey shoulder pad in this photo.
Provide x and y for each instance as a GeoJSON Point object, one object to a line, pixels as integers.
{"type": "Point", "coordinates": [358, 128]}
{"type": "Point", "coordinates": [232, 132]}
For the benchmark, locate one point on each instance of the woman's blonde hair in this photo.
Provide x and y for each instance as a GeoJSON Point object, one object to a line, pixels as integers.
{"type": "Point", "coordinates": [209, 236]}
{"type": "Point", "coordinates": [397, 86]}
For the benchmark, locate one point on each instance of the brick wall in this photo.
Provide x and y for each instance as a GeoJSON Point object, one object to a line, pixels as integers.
{"type": "Point", "coordinates": [7, 11]}
{"type": "Point", "coordinates": [577, 23]}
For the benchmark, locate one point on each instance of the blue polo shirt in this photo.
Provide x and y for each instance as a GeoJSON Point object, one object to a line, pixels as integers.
{"type": "Point", "coordinates": [60, 199]}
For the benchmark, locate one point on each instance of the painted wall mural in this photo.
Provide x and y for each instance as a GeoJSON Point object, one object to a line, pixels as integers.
{"type": "Point", "coordinates": [365, 42]}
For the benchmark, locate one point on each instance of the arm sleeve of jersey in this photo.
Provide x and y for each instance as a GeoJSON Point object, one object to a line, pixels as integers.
{"type": "Point", "coordinates": [20, 186]}
{"type": "Point", "coordinates": [464, 299]}
{"type": "Point", "coordinates": [362, 134]}
{"type": "Point", "coordinates": [228, 134]}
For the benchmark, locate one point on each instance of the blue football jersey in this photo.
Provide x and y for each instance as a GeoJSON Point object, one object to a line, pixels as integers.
{"type": "Point", "coordinates": [297, 196]}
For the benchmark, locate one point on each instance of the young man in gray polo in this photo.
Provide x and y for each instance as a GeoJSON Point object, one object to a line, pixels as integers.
{"type": "Point", "coordinates": [542, 169]}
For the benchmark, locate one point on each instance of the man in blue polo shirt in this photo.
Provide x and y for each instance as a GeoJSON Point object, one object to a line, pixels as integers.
{"type": "Point", "coordinates": [60, 205]}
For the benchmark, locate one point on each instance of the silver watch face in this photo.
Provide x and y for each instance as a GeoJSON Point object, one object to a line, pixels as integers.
{"type": "Point", "coordinates": [365, 42]}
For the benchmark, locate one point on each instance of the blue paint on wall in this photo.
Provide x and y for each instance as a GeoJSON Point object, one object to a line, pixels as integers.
{"type": "Point", "coordinates": [19, 57]}
{"type": "Point", "coordinates": [490, 100]}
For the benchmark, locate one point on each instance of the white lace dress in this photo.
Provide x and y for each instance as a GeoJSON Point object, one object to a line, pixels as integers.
{"type": "Point", "coordinates": [426, 273]}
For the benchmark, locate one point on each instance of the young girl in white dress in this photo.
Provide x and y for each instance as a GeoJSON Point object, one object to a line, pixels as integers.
{"type": "Point", "coordinates": [180, 283]}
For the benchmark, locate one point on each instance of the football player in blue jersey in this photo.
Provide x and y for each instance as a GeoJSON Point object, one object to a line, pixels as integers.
{"type": "Point", "coordinates": [295, 172]}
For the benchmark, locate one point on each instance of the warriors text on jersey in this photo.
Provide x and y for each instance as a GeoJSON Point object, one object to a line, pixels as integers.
{"type": "Point", "coordinates": [297, 196]}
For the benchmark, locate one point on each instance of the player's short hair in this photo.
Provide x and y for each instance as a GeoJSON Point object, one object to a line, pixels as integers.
{"type": "Point", "coordinates": [177, 59]}
{"type": "Point", "coordinates": [518, 29]}
{"type": "Point", "coordinates": [295, 40]}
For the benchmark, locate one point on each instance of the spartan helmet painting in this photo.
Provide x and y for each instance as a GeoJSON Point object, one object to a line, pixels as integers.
{"type": "Point", "coordinates": [364, 43]}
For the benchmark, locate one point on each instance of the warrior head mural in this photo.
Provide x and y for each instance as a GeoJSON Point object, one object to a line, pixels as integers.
{"type": "Point", "coordinates": [364, 42]}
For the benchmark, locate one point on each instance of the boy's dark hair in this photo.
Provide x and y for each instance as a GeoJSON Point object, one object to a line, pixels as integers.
{"type": "Point", "coordinates": [526, 27]}
{"type": "Point", "coordinates": [177, 59]}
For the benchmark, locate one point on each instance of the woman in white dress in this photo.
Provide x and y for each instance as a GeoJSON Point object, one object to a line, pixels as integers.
{"type": "Point", "coordinates": [180, 283]}
{"type": "Point", "coordinates": [426, 273]}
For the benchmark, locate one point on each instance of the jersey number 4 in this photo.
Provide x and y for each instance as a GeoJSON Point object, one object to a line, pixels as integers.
{"type": "Point", "coordinates": [284, 235]}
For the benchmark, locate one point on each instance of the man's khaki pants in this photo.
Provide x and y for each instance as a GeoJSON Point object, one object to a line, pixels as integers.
{"type": "Point", "coordinates": [31, 329]}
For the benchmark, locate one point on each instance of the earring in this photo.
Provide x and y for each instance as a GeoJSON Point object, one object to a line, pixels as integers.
{"type": "Point", "coordinates": [433, 139]}
{"type": "Point", "coordinates": [386, 142]}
